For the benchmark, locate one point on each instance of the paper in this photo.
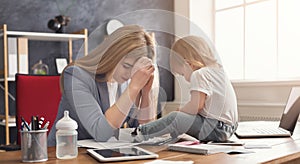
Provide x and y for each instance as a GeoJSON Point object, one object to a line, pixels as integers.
{"type": "Point", "coordinates": [90, 143]}
{"type": "Point", "coordinates": [256, 146]}
{"type": "Point", "coordinates": [227, 143]}
{"type": "Point", "coordinates": [125, 136]}
{"type": "Point", "coordinates": [160, 161]}
{"type": "Point", "coordinates": [199, 148]}
{"type": "Point", "coordinates": [125, 140]}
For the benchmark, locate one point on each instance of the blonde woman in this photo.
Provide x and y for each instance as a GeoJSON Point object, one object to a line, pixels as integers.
{"type": "Point", "coordinates": [110, 86]}
{"type": "Point", "coordinates": [211, 113]}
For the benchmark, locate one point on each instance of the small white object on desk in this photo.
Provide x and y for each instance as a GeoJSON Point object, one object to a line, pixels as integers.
{"type": "Point", "coordinates": [160, 161]}
{"type": "Point", "coordinates": [257, 146]}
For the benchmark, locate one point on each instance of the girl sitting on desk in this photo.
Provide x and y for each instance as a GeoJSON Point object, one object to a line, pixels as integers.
{"type": "Point", "coordinates": [96, 90]}
{"type": "Point", "coordinates": [211, 113]}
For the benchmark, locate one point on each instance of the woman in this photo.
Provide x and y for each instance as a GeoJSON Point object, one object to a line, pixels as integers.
{"type": "Point", "coordinates": [96, 90]}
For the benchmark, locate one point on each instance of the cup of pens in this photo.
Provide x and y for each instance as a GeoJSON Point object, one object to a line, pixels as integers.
{"type": "Point", "coordinates": [33, 143]}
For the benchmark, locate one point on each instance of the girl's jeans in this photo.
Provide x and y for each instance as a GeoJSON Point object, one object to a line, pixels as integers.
{"type": "Point", "coordinates": [176, 123]}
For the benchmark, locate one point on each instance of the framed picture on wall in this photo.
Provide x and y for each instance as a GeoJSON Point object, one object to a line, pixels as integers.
{"type": "Point", "coordinates": [60, 63]}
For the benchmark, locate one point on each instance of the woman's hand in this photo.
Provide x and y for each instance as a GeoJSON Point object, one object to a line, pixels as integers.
{"type": "Point", "coordinates": [140, 63]}
{"type": "Point", "coordinates": [147, 88]}
{"type": "Point", "coordinates": [142, 74]}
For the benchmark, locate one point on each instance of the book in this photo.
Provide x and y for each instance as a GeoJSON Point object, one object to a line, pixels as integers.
{"type": "Point", "coordinates": [1, 57]}
{"type": "Point", "coordinates": [12, 56]}
{"type": "Point", "coordinates": [199, 148]}
{"type": "Point", "coordinates": [23, 55]}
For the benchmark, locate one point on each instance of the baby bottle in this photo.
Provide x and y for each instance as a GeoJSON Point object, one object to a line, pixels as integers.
{"type": "Point", "coordinates": [66, 137]}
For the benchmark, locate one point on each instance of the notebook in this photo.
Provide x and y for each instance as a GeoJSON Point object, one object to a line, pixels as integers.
{"type": "Point", "coordinates": [286, 126]}
{"type": "Point", "coordinates": [196, 147]}
{"type": "Point", "coordinates": [205, 149]}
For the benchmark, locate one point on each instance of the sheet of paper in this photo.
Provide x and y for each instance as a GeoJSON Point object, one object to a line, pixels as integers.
{"type": "Point", "coordinates": [90, 143]}
{"type": "Point", "coordinates": [126, 140]}
{"type": "Point", "coordinates": [257, 146]}
{"type": "Point", "coordinates": [125, 136]}
{"type": "Point", "coordinates": [160, 161]}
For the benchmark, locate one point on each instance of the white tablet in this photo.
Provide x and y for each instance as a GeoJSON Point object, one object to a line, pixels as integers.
{"type": "Point", "coordinates": [121, 154]}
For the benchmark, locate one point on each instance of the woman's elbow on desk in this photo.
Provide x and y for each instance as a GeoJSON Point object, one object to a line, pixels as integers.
{"type": "Point", "coordinates": [103, 136]}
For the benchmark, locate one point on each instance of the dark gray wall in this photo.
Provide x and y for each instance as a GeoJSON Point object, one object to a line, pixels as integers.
{"type": "Point", "coordinates": [33, 15]}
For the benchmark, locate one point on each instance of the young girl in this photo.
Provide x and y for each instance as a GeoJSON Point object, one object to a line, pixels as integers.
{"type": "Point", "coordinates": [211, 113]}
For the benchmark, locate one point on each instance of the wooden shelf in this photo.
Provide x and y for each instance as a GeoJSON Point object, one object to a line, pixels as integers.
{"type": "Point", "coordinates": [11, 123]}
{"type": "Point", "coordinates": [40, 36]}
{"type": "Point", "coordinates": [8, 79]}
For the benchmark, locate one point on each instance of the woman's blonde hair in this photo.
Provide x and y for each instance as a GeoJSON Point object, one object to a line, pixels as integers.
{"type": "Point", "coordinates": [194, 50]}
{"type": "Point", "coordinates": [129, 40]}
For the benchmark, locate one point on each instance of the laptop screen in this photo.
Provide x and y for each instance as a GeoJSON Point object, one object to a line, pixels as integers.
{"type": "Point", "coordinates": [291, 112]}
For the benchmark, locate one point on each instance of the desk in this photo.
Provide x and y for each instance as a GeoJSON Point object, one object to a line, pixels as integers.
{"type": "Point", "coordinates": [288, 152]}
{"type": "Point", "coordinates": [283, 150]}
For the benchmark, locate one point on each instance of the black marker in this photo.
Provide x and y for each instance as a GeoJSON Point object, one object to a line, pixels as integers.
{"type": "Point", "coordinates": [25, 123]}
{"type": "Point", "coordinates": [34, 123]}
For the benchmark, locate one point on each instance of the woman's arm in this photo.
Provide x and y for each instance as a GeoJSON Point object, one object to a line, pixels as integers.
{"type": "Point", "coordinates": [146, 100]}
{"type": "Point", "coordinates": [81, 96]}
{"type": "Point", "coordinates": [81, 91]}
{"type": "Point", "coordinates": [147, 111]}
{"type": "Point", "coordinates": [196, 104]}
{"type": "Point", "coordinates": [117, 113]}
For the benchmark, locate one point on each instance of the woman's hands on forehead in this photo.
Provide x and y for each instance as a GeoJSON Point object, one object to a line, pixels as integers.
{"type": "Point", "coordinates": [142, 72]}
{"type": "Point", "coordinates": [142, 62]}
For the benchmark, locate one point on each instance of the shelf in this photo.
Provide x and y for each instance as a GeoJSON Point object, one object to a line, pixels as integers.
{"type": "Point", "coordinates": [29, 36]}
{"type": "Point", "coordinates": [10, 124]}
{"type": "Point", "coordinates": [8, 79]}
{"type": "Point", "coordinates": [45, 36]}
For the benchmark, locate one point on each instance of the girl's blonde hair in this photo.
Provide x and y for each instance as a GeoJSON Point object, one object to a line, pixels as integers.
{"type": "Point", "coordinates": [194, 50]}
{"type": "Point", "coordinates": [129, 41]}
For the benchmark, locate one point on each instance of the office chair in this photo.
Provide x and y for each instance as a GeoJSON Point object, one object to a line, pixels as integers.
{"type": "Point", "coordinates": [36, 95]}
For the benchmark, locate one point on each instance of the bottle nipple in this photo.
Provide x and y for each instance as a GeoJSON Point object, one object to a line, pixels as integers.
{"type": "Point", "coordinates": [66, 122]}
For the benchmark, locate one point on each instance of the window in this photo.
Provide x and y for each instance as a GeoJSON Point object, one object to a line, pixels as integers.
{"type": "Point", "coordinates": [258, 39]}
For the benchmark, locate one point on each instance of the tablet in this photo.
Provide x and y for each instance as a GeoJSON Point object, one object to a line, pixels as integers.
{"type": "Point", "coordinates": [121, 154]}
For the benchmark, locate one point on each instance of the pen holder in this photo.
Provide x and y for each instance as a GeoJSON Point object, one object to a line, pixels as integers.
{"type": "Point", "coordinates": [34, 145]}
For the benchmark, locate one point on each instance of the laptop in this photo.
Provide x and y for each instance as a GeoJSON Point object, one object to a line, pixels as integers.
{"type": "Point", "coordinates": [286, 126]}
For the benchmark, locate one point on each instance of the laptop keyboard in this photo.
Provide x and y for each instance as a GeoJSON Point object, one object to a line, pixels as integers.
{"type": "Point", "coordinates": [270, 131]}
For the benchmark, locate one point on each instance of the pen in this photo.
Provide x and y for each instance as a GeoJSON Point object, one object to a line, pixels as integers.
{"type": "Point", "coordinates": [46, 125]}
{"type": "Point", "coordinates": [22, 125]}
{"type": "Point", "coordinates": [34, 123]}
{"type": "Point", "coordinates": [25, 123]}
{"type": "Point", "coordinates": [165, 141]}
{"type": "Point", "coordinates": [41, 121]}
{"type": "Point", "coordinates": [37, 123]}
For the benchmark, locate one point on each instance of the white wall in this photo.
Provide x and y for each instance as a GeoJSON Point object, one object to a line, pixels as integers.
{"type": "Point", "coordinates": [191, 16]}
{"type": "Point", "coordinates": [256, 100]}
{"type": "Point", "coordinates": [262, 100]}
{"type": "Point", "coordinates": [201, 14]}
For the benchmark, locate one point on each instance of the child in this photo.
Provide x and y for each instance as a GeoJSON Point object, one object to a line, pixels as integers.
{"type": "Point", "coordinates": [211, 113]}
